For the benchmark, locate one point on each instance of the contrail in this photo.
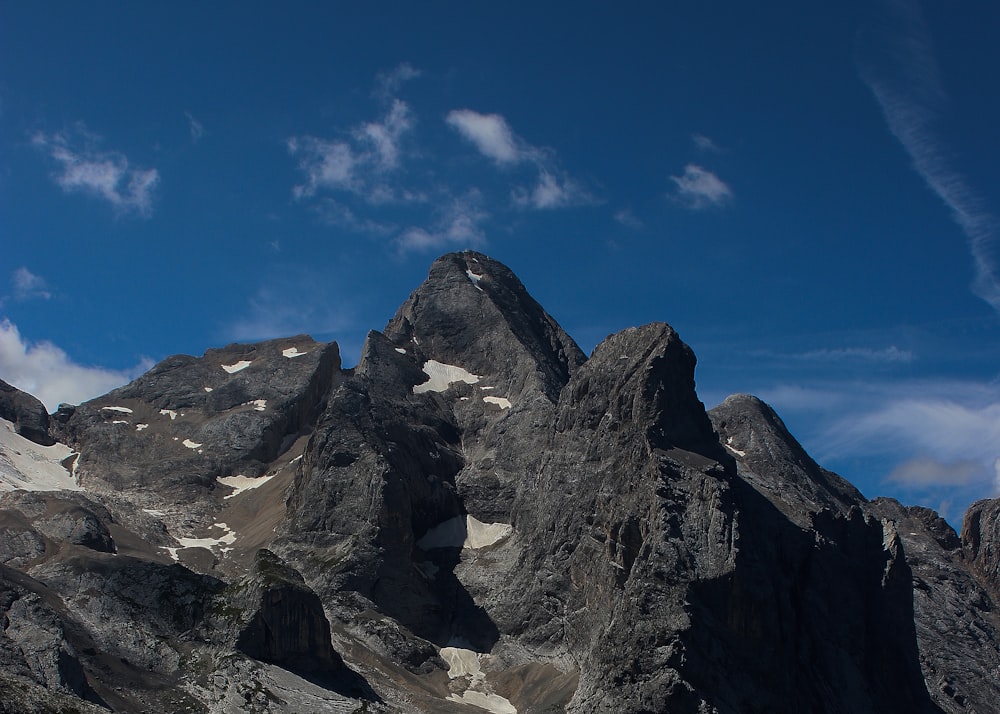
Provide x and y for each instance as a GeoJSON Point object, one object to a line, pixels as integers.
{"type": "Point", "coordinates": [897, 64]}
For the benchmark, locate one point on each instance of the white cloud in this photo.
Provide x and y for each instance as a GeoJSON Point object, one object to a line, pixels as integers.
{"type": "Point", "coordinates": [102, 174]}
{"type": "Point", "coordinates": [704, 143]}
{"type": "Point", "coordinates": [388, 83]}
{"type": "Point", "coordinates": [491, 135]}
{"type": "Point", "coordinates": [900, 70]}
{"type": "Point", "coordinates": [327, 165]}
{"type": "Point", "coordinates": [27, 285]}
{"type": "Point", "coordinates": [699, 188]}
{"type": "Point", "coordinates": [887, 355]}
{"type": "Point", "coordinates": [628, 219]}
{"type": "Point", "coordinates": [385, 135]}
{"type": "Point", "coordinates": [494, 139]}
{"type": "Point", "coordinates": [459, 225]}
{"type": "Point", "coordinates": [551, 192]}
{"type": "Point", "coordinates": [360, 165]}
{"type": "Point", "coordinates": [47, 372]}
{"type": "Point", "coordinates": [195, 127]}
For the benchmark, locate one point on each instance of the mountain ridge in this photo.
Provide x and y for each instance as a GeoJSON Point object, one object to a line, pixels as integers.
{"type": "Point", "coordinates": [476, 517]}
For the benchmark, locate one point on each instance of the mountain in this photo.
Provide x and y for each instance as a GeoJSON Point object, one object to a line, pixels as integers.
{"type": "Point", "coordinates": [477, 517]}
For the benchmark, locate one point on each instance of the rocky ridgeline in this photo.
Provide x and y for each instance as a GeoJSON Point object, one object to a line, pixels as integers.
{"type": "Point", "coordinates": [477, 517]}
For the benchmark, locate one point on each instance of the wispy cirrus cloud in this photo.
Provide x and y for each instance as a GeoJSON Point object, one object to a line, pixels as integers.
{"type": "Point", "coordinates": [886, 355]}
{"type": "Point", "coordinates": [361, 162]}
{"type": "Point", "coordinates": [628, 219]}
{"type": "Point", "coordinates": [458, 225]}
{"type": "Point", "coordinates": [28, 286]}
{"type": "Point", "coordinates": [931, 441]}
{"type": "Point", "coordinates": [294, 301]}
{"type": "Point", "coordinates": [195, 128]}
{"type": "Point", "coordinates": [47, 372]}
{"type": "Point", "coordinates": [387, 84]}
{"type": "Point", "coordinates": [698, 189]}
{"type": "Point", "coordinates": [82, 167]}
{"type": "Point", "coordinates": [896, 61]}
{"type": "Point", "coordinates": [705, 144]}
{"type": "Point", "coordinates": [493, 138]}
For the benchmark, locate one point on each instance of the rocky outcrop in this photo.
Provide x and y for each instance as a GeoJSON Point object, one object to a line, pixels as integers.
{"type": "Point", "coordinates": [954, 615]}
{"type": "Point", "coordinates": [981, 541]}
{"type": "Point", "coordinates": [676, 585]}
{"type": "Point", "coordinates": [168, 436]}
{"type": "Point", "coordinates": [26, 413]}
{"type": "Point", "coordinates": [281, 619]}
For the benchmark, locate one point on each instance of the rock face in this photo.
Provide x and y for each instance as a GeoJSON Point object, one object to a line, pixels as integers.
{"type": "Point", "coordinates": [283, 620]}
{"type": "Point", "coordinates": [26, 413]}
{"type": "Point", "coordinates": [475, 517]}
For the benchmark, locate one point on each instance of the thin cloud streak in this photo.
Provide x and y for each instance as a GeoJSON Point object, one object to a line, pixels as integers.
{"type": "Point", "coordinates": [903, 75]}
{"type": "Point", "coordinates": [459, 225]}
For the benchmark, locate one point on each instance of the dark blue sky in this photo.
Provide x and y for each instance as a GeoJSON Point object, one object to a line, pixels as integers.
{"type": "Point", "coordinates": [807, 191]}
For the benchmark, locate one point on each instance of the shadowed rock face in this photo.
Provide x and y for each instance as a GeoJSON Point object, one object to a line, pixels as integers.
{"type": "Point", "coordinates": [577, 532]}
{"type": "Point", "coordinates": [26, 413]}
{"type": "Point", "coordinates": [981, 541]}
{"type": "Point", "coordinates": [284, 620]}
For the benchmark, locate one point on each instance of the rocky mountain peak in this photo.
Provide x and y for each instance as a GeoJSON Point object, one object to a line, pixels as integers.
{"type": "Point", "coordinates": [473, 312]}
{"type": "Point", "coordinates": [774, 462]}
{"type": "Point", "coordinates": [474, 518]}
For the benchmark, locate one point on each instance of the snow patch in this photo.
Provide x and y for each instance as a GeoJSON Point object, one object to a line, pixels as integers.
{"type": "Point", "coordinates": [190, 444]}
{"type": "Point", "coordinates": [32, 467]}
{"type": "Point", "coordinates": [140, 427]}
{"type": "Point", "coordinates": [119, 421]}
{"type": "Point", "coordinates": [441, 376]}
{"type": "Point", "coordinates": [208, 389]}
{"type": "Point", "coordinates": [474, 279]}
{"type": "Point", "coordinates": [499, 401]}
{"type": "Point", "coordinates": [237, 366]}
{"type": "Point", "coordinates": [291, 352]}
{"type": "Point", "coordinates": [464, 532]}
{"type": "Point", "coordinates": [154, 512]}
{"type": "Point", "coordinates": [490, 702]}
{"type": "Point", "coordinates": [466, 663]}
{"type": "Point", "coordinates": [122, 410]}
{"type": "Point", "coordinates": [242, 483]}
{"type": "Point", "coordinates": [170, 413]}
{"type": "Point", "coordinates": [258, 405]}
{"type": "Point", "coordinates": [735, 451]}
{"type": "Point", "coordinates": [401, 350]}
{"type": "Point", "coordinates": [227, 538]}
{"type": "Point", "coordinates": [461, 662]}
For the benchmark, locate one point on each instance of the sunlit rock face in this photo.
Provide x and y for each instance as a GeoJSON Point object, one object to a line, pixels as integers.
{"type": "Point", "coordinates": [476, 517]}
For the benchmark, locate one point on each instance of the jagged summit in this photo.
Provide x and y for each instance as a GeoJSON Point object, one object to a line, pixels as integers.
{"type": "Point", "coordinates": [774, 462]}
{"type": "Point", "coordinates": [472, 310]}
{"type": "Point", "coordinates": [475, 518]}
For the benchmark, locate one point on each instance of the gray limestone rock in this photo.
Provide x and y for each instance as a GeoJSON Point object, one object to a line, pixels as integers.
{"type": "Point", "coordinates": [26, 413]}
{"type": "Point", "coordinates": [770, 459]}
{"type": "Point", "coordinates": [475, 516]}
{"type": "Point", "coordinates": [956, 620]}
{"type": "Point", "coordinates": [981, 542]}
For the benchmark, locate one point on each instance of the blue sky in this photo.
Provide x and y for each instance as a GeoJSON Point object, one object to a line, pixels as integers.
{"type": "Point", "coordinates": [807, 191]}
